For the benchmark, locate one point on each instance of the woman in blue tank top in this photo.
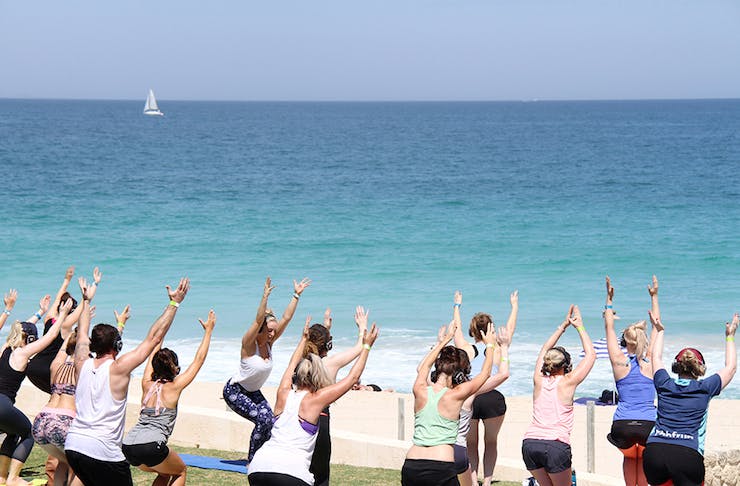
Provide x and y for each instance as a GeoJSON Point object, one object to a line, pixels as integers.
{"type": "Point", "coordinates": [635, 414]}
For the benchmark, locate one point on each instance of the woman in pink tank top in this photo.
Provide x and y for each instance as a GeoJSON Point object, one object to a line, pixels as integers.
{"type": "Point", "coordinates": [546, 445]}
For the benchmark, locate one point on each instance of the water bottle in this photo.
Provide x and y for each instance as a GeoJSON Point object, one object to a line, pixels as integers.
{"type": "Point", "coordinates": [573, 478]}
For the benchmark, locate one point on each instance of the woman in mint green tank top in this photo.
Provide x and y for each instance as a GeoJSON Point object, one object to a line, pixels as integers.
{"type": "Point", "coordinates": [430, 461]}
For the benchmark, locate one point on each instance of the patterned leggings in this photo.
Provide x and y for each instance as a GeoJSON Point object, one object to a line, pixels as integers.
{"type": "Point", "coordinates": [254, 407]}
{"type": "Point", "coordinates": [51, 426]}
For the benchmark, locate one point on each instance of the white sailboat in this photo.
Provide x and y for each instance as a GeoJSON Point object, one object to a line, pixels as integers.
{"type": "Point", "coordinates": [151, 108]}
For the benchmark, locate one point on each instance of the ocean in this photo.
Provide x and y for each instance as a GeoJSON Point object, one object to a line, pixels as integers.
{"type": "Point", "coordinates": [393, 206]}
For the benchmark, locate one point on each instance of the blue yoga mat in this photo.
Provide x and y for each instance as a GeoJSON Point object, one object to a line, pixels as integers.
{"type": "Point", "coordinates": [207, 462]}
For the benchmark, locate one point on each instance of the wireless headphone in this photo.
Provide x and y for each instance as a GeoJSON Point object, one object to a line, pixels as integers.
{"type": "Point", "coordinates": [118, 344]}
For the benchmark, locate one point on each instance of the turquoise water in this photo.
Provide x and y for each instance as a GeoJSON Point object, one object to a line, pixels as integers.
{"type": "Point", "coordinates": [388, 205]}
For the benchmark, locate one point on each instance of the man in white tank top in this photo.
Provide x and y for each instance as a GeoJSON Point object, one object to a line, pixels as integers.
{"type": "Point", "coordinates": [93, 445]}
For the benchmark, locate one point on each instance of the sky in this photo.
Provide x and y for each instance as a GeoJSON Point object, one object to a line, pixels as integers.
{"type": "Point", "coordinates": [374, 50]}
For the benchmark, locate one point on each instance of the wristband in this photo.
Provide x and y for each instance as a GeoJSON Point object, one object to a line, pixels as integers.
{"type": "Point", "coordinates": [296, 295]}
{"type": "Point", "coordinates": [504, 359]}
{"type": "Point", "coordinates": [95, 284]}
{"type": "Point", "coordinates": [456, 305]}
{"type": "Point", "coordinates": [366, 346]}
{"type": "Point", "coordinates": [580, 328]}
{"type": "Point", "coordinates": [121, 326]}
{"type": "Point", "coordinates": [38, 315]}
{"type": "Point", "coordinates": [730, 339]}
{"type": "Point", "coordinates": [174, 304]}
{"type": "Point", "coordinates": [608, 306]}
{"type": "Point", "coordinates": [490, 345]}
{"type": "Point", "coordinates": [6, 312]}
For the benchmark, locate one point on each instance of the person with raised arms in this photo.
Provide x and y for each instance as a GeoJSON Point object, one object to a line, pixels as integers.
{"type": "Point", "coordinates": [320, 343]}
{"type": "Point", "coordinates": [675, 449]}
{"type": "Point", "coordinates": [145, 445]}
{"type": "Point", "coordinates": [546, 445]}
{"type": "Point", "coordinates": [242, 391]}
{"type": "Point", "coordinates": [9, 301]}
{"type": "Point", "coordinates": [304, 391]}
{"type": "Point", "coordinates": [431, 459]}
{"type": "Point", "coordinates": [93, 445]}
{"type": "Point", "coordinates": [635, 414]}
{"type": "Point", "coordinates": [22, 343]}
{"type": "Point", "coordinates": [489, 407]}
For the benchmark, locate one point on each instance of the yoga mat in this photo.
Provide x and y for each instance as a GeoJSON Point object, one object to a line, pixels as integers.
{"type": "Point", "coordinates": [207, 462]}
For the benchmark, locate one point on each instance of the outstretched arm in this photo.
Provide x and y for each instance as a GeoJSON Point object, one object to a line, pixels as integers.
{"type": "Point", "coordinates": [124, 365]}
{"type": "Point", "coordinates": [511, 323]}
{"type": "Point", "coordinates": [43, 307]}
{"type": "Point", "coordinates": [551, 342]}
{"type": "Point", "coordinates": [581, 371]}
{"type": "Point", "coordinates": [620, 364]}
{"type": "Point", "coordinates": [503, 340]}
{"type": "Point", "coordinates": [444, 336]}
{"type": "Point", "coordinates": [82, 348]}
{"type": "Point", "coordinates": [298, 288]}
{"type": "Point", "coordinates": [460, 341]}
{"type": "Point", "coordinates": [54, 309]}
{"type": "Point", "coordinates": [9, 301]}
{"type": "Point", "coordinates": [40, 344]}
{"type": "Point", "coordinates": [655, 309]}
{"type": "Point", "coordinates": [658, 331]}
{"type": "Point", "coordinates": [286, 382]}
{"type": "Point", "coordinates": [122, 318]}
{"type": "Point", "coordinates": [251, 335]}
{"type": "Point", "coordinates": [337, 361]}
{"type": "Point", "coordinates": [464, 390]}
{"type": "Point", "coordinates": [184, 379]}
{"type": "Point", "coordinates": [728, 371]}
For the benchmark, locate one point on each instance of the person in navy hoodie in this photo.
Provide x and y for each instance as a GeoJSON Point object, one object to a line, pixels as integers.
{"type": "Point", "coordinates": [675, 449]}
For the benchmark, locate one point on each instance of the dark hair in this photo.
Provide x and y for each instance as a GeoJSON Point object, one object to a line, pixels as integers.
{"type": "Point", "coordinates": [453, 362]}
{"type": "Point", "coordinates": [104, 339]}
{"type": "Point", "coordinates": [165, 365]}
{"type": "Point", "coordinates": [71, 343]}
{"type": "Point", "coordinates": [319, 341]}
{"type": "Point", "coordinates": [479, 325]}
{"type": "Point", "coordinates": [65, 297]}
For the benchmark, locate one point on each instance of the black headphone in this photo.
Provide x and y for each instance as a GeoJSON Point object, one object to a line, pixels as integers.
{"type": "Point", "coordinates": [30, 338]}
{"type": "Point", "coordinates": [567, 365]}
{"type": "Point", "coordinates": [459, 377]}
{"type": "Point", "coordinates": [118, 344]}
{"type": "Point", "coordinates": [623, 341]}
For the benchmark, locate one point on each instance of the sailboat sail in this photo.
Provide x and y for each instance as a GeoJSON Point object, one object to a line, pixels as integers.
{"type": "Point", "coordinates": [151, 108]}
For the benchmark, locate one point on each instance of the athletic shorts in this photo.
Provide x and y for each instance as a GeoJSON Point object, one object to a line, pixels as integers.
{"type": "Point", "coordinates": [551, 455]}
{"type": "Point", "coordinates": [627, 433]}
{"type": "Point", "coordinates": [489, 405]}
{"type": "Point", "coordinates": [663, 462]}
{"type": "Point", "coordinates": [274, 479]}
{"type": "Point", "coordinates": [149, 453]}
{"type": "Point", "coordinates": [425, 472]}
{"type": "Point", "coordinates": [461, 458]}
{"type": "Point", "coordinates": [94, 472]}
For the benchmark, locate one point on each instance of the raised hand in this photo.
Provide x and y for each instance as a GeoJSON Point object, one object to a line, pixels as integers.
{"type": "Point", "coordinates": [178, 295]}
{"type": "Point", "coordinates": [655, 321]}
{"type": "Point", "coordinates": [97, 275]}
{"type": "Point", "coordinates": [92, 312]}
{"type": "Point", "coordinates": [85, 289]}
{"type": "Point", "coordinates": [731, 327]}
{"type": "Point", "coordinates": [514, 298]}
{"type": "Point", "coordinates": [327, 318]}
{"type": "Point", "coordinates": [371, 335]}
{"type": "Point", "coordinates": [70, 273]}
{"type": "Point", "coordinates": [489, 337]}
{"type": "Point", "coordinates": [306, 326]}
{"type": "Point", "coordinates": [446, 333]}
{"type": "Point", "coordinates": [10, 298]}
{"type": "Point", "coordinates": [609, 290]}
{"type": "Point", "coordinates": [64, 309]}
{"type": "Point", "coordinates": [654, 289]}
{"type": "Point", "coordinates": [44, 303]}
{"type": "Point", "coordinates": [299, 287]}
{"type": "Point", "coordinates": [502, 337]}
{"type": "Point", "coordinates": [566, 321]}
{"type": "Point", "coordinates": [124, 316]}
{"type": "Point", "coordinates": [361, 317]}
{"type": "Point", "coordinates": [575, 318]}
{"type": "Point", "coordinates": [210, 322]}
{"type": "Point", "coordinates": [268, 287]}
{"type": "Point", "coordinates": [458, 297]}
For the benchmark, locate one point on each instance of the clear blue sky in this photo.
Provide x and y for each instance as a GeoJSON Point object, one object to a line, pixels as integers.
{"type": "Point", "coordinates": [371, 50]}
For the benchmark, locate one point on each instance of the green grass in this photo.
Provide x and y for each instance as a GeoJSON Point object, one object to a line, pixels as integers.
{"type": "Point", "coordinates": [340, 475]}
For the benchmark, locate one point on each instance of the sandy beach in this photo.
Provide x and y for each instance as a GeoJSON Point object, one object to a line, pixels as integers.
{"type": "Point", "coordinates": [374, 429]}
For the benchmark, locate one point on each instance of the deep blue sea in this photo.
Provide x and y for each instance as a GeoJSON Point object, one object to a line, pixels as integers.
{"type": "Point", "coordinates": [390, 205]}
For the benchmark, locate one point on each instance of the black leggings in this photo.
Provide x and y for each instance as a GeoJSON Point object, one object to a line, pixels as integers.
{"type": "Point", "coordinates": [426, 472]}
{"type": "Point", "coordinates": [274, 479]}
{"type": "Point", "coordinates": [322, 452]}
{"type": "Point", "coordinates": [683, 465]}
{"type": "Point", "coordinates": [18, 441]}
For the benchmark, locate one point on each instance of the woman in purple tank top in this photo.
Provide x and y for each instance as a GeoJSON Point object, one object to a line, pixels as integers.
{"type": "Point", "coordinates": [635, 414]}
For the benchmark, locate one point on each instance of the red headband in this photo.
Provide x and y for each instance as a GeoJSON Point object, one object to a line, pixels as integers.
{"type": "Point", "coordinates": [693, 351]}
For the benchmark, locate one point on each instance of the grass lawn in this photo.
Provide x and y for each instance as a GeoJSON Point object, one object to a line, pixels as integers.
{"type": "Point", "coordinates": [340, 475]}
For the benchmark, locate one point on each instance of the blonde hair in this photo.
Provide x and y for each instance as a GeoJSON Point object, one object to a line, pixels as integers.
{"type": "Point", "coordinates": [16, 335]}
{"type": "Point", "coordinates": [556, 359]}
{"type": "Point", "coordinates": [637, 339]}
{"type": "Point", "coordinates": [688, 363]}
{"type": "Point", "coordinates": [311, 374]}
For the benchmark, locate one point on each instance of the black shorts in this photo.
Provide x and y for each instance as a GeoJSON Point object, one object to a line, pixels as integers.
{"type": "Point", "coordinates": [94, 472]}
{"type": "Point", "coordinates": [149, 454]}
{"type": "Point", "coordinates": [461, 458]}
{"type": "Point", "coordinates": [627, 433]}
{"type": "Point", "coordinates": [551, 455]}
{"type": "Point", "coordinates": [425, 472]}
{"type": "Point", "coordinates": [274, 479]}
{"type": "Point", "coordinates": [489, 405]}
{"type": "Point", "coordinates": [663, 462]}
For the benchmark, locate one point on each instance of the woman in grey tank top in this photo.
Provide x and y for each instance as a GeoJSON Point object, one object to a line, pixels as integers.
{"type": "Point", "coordinates": [145, 445]}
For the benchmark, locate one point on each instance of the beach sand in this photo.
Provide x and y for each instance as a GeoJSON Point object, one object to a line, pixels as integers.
{"type": "Point", "coordinates": [374, 429]}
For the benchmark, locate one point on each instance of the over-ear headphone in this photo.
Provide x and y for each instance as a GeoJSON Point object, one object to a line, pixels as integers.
{"type": "Point", "coordinates": [118, 344]}
{"type": "Point", "coordinates": [30, 338]}
{"type": "Point", "coordinates": [567, 366]}
{"type": "Point", "coordinates": [623, 341]}
{"type": "Point", "coordinates": [459, 377]}
{"type": "Point", "coordinates": [433, 376]}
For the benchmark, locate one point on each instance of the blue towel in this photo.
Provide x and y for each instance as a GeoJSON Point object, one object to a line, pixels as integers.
{"type": "Point", "coordinates": [206, 462]}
